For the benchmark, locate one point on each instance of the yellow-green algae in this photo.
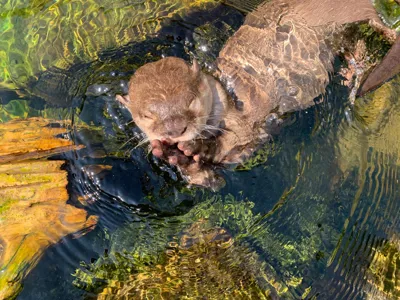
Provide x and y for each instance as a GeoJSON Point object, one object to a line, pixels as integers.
{"type": "Point", "coordinates": [377, 127]}
{"type": "Point", "coordinates": [384, 270]}
{"type": "Point", "coordinates": [176, 259]}
{"type": "Point", "coordinates": [34, 213]}
{"type": "Point", "coordinates": [40, 34]}
{"type": "Point", "coordinates": [390, 12]}
{"type": "Point", "coordinates": [22, 109]}
{"type": "Point", "coordinates": [188, 257]}
{"type": "Point", "coordinates": [371, 144]}
{"type": "Point", "coordinates": [260, 157]}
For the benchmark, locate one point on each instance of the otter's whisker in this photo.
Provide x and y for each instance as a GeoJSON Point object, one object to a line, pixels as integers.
{"type": "Point", "coordinates": [210, 132]}
{"type": "Point", "coordinates": [211, 127]}
{"type": "Point", "coordinates": [124, 144]}
{"type": "Point", "coordinates": [141, 142]}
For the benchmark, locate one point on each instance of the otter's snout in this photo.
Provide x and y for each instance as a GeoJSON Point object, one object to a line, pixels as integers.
{"type": "Point", "coordinates": [175, 126]}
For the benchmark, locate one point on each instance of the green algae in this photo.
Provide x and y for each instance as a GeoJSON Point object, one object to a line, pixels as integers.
{"type": "Point", "coordinates": [38, 35]}
{"type": "Point", "coordinates": [6, 204]}
{"type": "Point", "coordinates": [376, 43]}
{"type": "Point", "coordinates": [22, 109]}
{"type": "Point", "coordinates": [384, 270]}
{"type": "Point", "coordinates": [141, 250]}
{"type": "Point", "coordinates": [139, 245]}
{"type": "Point", "coordinates": [390, 12]}
{"type": "Point", "coordinates": [372, 110]}
{"type": "Point", "coordinates": [260, 157]}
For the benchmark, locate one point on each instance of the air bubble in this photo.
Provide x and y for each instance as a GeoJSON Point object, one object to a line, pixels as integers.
{"type": "Point", "coordinates": [203, 48]}
{"type": "Point", "coordinates": [348, 115]}
{"type": "Point", "coordinates": [97, 89]}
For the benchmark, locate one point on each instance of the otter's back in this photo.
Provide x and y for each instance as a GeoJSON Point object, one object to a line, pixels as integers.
{"type": "Point", "coordinates": [275, 62]}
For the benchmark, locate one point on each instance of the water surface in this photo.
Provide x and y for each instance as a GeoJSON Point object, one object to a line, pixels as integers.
{"type": "Point", "coordinates": [320, 212]}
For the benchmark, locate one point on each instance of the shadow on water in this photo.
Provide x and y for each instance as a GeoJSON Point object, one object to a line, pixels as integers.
{"type": "Point", "coordinates": [326, 207]}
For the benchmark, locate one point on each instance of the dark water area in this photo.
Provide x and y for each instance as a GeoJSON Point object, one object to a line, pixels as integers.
{"type": "Point", "coordinates": [319, 208]}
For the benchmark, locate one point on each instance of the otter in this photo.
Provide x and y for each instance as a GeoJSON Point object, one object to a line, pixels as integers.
{"type": "Point", "coordinates": [279, 61]}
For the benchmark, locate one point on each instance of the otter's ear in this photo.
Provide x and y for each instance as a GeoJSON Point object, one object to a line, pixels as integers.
{"type": "Point", "coordinates": [195, 105]}
{"type": "Point", "coordinates": [195, 67]}
{"type": "Point", "coordinates": [125, 100]}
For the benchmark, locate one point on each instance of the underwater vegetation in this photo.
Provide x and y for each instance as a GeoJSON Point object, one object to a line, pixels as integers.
{"type": "Point", "coordinates": [390, 11]}
{"type": "Point", "coordinates": [202, 253]}
{"type": "Point", "coordinates": [378, 128]}
{"type": "Point", "coordinates": [384, 271]}
{"type": "Point", "coordinates": [221, 249]}
{"type": "Point", "coordinates": [39, 35]}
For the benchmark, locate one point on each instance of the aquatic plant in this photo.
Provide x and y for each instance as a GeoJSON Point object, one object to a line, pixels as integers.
{"type": "Point", "coordinates": [39, 35]}
{"type": "Point", "coordinates": [384, 270]}
{"type": "Point", "coordinates": [167, 257]}
{"type": "Point", "coordinates": [368, 152]}
{"type": "Point", "coordinates": [372, 110]}
{"type": "Point", "coordinates": [156, 249]}
{"type": "Point", "coordinates": [390, 11]}
{"type": "Point", "coordinates": [21, 109]}
{"type": "Point", "coordinates": [260, 157]}
{"type": "Point", "coordinates": [377, 118]}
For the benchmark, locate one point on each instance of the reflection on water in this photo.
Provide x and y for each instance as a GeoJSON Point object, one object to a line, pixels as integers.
{"type": "Point", "coordinates": [314, 215]}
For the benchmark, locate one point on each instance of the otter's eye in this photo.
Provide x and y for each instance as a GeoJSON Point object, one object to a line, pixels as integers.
{"type": "Point", "coordinates": [148, 117]}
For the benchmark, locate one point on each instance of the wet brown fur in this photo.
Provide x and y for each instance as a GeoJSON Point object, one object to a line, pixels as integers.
{"type": "Point", "coordinates": [154, 91]}
{"type": "Point", "coordinates": [277, 62]}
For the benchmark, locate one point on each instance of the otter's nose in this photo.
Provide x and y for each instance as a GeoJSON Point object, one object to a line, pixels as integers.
{"type": "Point", "coordinates": [175, 127]}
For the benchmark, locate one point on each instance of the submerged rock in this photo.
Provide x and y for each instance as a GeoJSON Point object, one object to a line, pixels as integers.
{"type": "Point", "coordinates": [203, 262]}
{"type": "Point", "coordinates": [34, 213]}
{"type": "Point", "coordinates": [210, 251]}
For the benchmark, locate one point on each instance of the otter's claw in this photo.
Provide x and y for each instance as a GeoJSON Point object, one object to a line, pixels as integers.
{"type": "Point", "coordinates": [157, 148]}
{"type": "Point", "coordinates": [163, 151]}
{"type": "Point", "coordinates": [200, 175]}
{"type": "Point", "coordinates": [196, 149]}
{"type": "Point", "coordinates": [189, 161]}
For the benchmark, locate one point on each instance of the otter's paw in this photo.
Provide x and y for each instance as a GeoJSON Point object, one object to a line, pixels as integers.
{"type": "Point", "coordinates": [198, 149]}
{"type": "Point", "coordinates": [168, 153]}
{"type": "Point", "coordinates": [207, 179]}
{"type": "Point", "coordinates": [199, 175]}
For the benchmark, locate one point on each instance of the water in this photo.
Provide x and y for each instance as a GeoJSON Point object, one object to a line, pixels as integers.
{"type": "Point", "coordinates": [317, 219]}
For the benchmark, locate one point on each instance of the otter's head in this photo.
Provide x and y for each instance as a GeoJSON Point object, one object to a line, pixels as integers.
{"type": "Point", "coordinates": [170, 99]}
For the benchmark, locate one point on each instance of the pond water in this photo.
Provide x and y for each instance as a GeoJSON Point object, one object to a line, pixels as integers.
{"type": "Point", "coordinates": [315, 215]}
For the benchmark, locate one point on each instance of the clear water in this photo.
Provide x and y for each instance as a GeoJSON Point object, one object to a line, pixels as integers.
{"type": "Point", "coordinates": [326, 201]}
